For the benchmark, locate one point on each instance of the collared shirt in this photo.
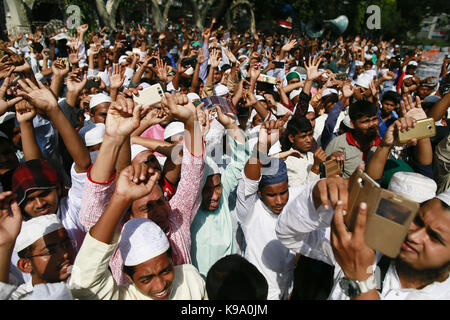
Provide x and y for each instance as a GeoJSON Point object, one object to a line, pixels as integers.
{"type": "Point", "coordinates": [306, 231]}
{"type": "Point", "coordinates": [354, 156]}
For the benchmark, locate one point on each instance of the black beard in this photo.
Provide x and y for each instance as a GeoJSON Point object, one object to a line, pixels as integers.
{"type": "Point", "coordinates": [424, 277]}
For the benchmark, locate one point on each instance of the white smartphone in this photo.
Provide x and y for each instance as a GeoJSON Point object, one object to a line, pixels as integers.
{"type": "Point", "coordinates": [150, 96]}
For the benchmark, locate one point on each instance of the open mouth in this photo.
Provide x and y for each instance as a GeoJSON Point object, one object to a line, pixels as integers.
{"type": "Point", "coordinates": [163, 294]}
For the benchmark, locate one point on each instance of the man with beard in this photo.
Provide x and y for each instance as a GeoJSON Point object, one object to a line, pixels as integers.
{"type": "Point", "coordinates": [361, 141]}
{"type": "Point", "coordinates": [420, 271]}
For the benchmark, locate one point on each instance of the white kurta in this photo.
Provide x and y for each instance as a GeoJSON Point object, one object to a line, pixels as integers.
{"type": "Point", "coordinates": [264, 250]}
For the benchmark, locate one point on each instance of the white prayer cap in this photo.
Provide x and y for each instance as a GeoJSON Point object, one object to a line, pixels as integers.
{"type": "Point", "coordinates": [123, 59]}
{"type": "Point", "coordinates": [7, 116]}
{"type": "Point", "coordinates": [445, 196]}
{"type": "Point", "coordinates": [189, 71]}
{"type": "Point", "coordinates": [347, 122]}
{"type": "Point", "coordinates": [61, 36]}
{"type": "Point", "coordinates": [220, 90]}
{"type": "Point", "coordinates": [413, 186]}
{"type": "Point", "coordinates": [211, 167]}
{"type": "Point", "coordinates": [374, 48]}
{"type": "Point", "coordinates": [368, 56]}
{"type": "Point", "coordinates": [92, 134]}
{"type": "Point", "coordinates": [173, 128]}
{"type": "Point", "coordinates": [14, 50]}
{"type": "Point", "coordinates": [359, 63]}
{"type": "Point", "coordinates": [141, 240]}
{"type": "Point", "coordinates": [407, 76]}
{"type": "Point", "coordinates": [363, 80]}
{"type": "Point", "coordinates": [192, 96]}
{"type": "Point", "coordinates": [294, 93]}
{"type": "Point", "coordinates": [242, 57]}
{"type": "Point", "coordinates": [36, 228]}
{"type": "Point", "coordinates": [413, 63]}
{"type": "Point", "coordinates": [260, 98]}
{"type": "Point", "coordinates": [98, 98]}
{"type": "Point", "coordinates": [328, 91]}
{"type": "Point", "coordinates": [136, 149]}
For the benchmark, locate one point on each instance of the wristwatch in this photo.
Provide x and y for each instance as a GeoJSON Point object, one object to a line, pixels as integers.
{"type": "Point", "coordinates": [355, 288]}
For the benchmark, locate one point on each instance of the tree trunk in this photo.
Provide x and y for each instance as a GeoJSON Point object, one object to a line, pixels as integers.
{"type": "Point", "coordinates": [107, 14]}
{"type": "Point", "coordinates": [157, 16]}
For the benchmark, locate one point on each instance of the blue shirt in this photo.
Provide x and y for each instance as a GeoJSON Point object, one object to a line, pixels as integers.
{"type": "Point", "coordinates": [384, 125]}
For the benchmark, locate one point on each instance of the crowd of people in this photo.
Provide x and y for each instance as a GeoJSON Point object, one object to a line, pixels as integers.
{"type": "Point", "coordinates": [216, 190]}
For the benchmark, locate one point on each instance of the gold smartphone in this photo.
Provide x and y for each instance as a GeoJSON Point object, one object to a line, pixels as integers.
{"type": "Point", "coordinates": [424, 128]}
{"type": "Point", "coordinates": [267, 79]}
{"type": "Point", "coordinates": [150, 96]}
{"type": "Point", "coordinates": [388, 218]}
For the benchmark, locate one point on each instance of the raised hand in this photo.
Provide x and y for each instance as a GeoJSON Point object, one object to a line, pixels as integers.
{"type": "Point", "coordinates": [225, 119]}
{"type": "Point", "coordinates": [411, 108]}
{"type": "Point", "coordinates": [76, 81]}
{"type": "Point", "coordinates": [289, 45]}
{"type": "Point", "coordinates": [312, 67]}
{"type": "Point", "coordinates": [270, 133]}
{"type": "Point", "coordinates": [134, 182]}
{"type": "Point", "coordinates": [39, 96]}
{"type": "Point", "coordinates": [347, 90]}
{"type": "Point", "coordinates": [215, 59]}
{"type": "Point", "coordinates": [116, 77]}
{"type": "Point", "coordinates": [60, 68]}
{"type": "Point", "coordinates": [4, 105]}
{"type": "Point", "coordinates": [124, 116]}
{"type": "Point", "coordinates": [179, 106]}
{"type": "Point", "coordinates": [350, 249]}
{"type": "Point", "coordinates": [390, 138]}
{"type": "Point", "coordinates": [24, 112]}
{"type": "Point", "coordinates": [73, 54]}
{"type": "Point", "coordinates": [161, 70]}
{"type": "Point", "coordinates": [9, 224]}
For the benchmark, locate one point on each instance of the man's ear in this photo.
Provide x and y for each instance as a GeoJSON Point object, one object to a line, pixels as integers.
{"type": "Point", "coordinates": [291, 138]}
{"type": "Point", "coordinates": [24, 265]}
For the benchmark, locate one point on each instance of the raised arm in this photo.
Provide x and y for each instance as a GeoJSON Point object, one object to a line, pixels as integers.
{"type": "Point", "coordinates": [45, 102]}
{"type": "Point", "coordinates": [9, 230]}
{"type": "Point", "coordinates": [25, 113]}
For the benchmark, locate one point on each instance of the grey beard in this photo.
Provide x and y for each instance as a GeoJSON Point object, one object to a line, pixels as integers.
{"type": "Point", "coordinates": [425, 277]}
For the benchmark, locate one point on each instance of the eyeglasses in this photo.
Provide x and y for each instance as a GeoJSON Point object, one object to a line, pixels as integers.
{"type": "Point", "coordinates": [53, 248]}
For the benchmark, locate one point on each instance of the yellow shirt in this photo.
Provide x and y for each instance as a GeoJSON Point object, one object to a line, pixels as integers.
{"type": "Point", "coordinates": [92, 280]}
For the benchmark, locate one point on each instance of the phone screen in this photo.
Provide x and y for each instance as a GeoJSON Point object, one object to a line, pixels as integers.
{"type": "Point", "coordinates": [393, 211]}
